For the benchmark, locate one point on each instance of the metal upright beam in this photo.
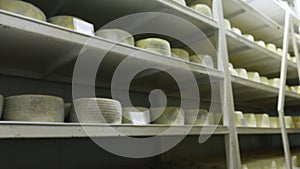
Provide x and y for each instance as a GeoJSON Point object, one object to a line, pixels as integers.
{"type": "Point", "coordinates": [295, 47]}
{"type": "Point", "coordinates": [231, 140]}
{"type": "Point", "coordinates": [281, 96]}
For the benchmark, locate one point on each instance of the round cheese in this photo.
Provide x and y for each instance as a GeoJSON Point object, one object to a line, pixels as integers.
{"type": "Point", "coordinates": [22, 8]}
{"type": "Point", "coordinates": [289, 56]}
{"type": "Point", "coordinates": [273, 122]}
{"type": "Point", "coordinates": [254, 76]}
{"type": "Point", "coordinates": [239, 117]}
{"type": "Point", "coordinates": [264, 80]}
{"type": "Point", "coordinates": [261, 43]}
{"type": "Point", "coordinates": [202, 59]}
{"type": "Point", "coordinates": [34, 108]}
{"type": "Point", "coordinates": [271, 47]}
{"type": "Point", "coordinates": [64, 21]}
{"type": "Point", "coordinates": [295, 162]}
{"type": "Point", "coordinates": [1, 105]}
{"type": "Point", "coordinates": [195, 117]}
{"type": "Point", "coordinates": [202, 8]}
{"type": "Point", "coordinates": [288, 122]}
{"type": "Point", "coordinates": [274, 82]}
{"type": "Point", "coordinates": [250, 120]}
{"type": "Point", "coordinates": [116, 35]}
{"type": "Point", "coordinates": [293, 59]}
{"type": "Point", "coordinates": [237, 31]}
{"type": "Point", "coordinates": [249, 37]}
{"type": "Point", "coordinates": [155, 45]}
{"type": "Point", "coordinates": [296, 121]}
{"type": "Point", "coordinates": [233, 72]}
{"type": "Point", "coordinates": [180, 53]}
{"type": "Point", "coordinates": [242, 73]}
{"type": "Point", "coordinates": [168, 115]}
{"type": "Point", "coordinates": [135, 115]}
{"type": "Point", "coordinates": [227, 24]}
{"type": "Point", "coordinates": [262, 120]}
{"type": "Point", "coordinates": [230, 65]}
{"type": "Point", "coordinates": [210, 120]}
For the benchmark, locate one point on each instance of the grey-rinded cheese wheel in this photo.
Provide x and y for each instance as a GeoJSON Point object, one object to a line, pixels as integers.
{"type": "Point", "coordinates": [1, 105]}
{"type": "Point", "coordinates": [64, 21]}
{"type": "Point", "coordinates": [227, 24]}
{"type": "Point", "coordinates": [180, 53]}
{"type": "Point", "coordinates": [262, 120]}
{"type": "Point", "coordinates": [202, 59]}
{"type": "Point", "coordinates": [34, 108]}
{"type": "Point", "coordinates": [254, 76]}
{"type": "Point", "coordinates": [233, 72]}
{"type": "Point", "coordinates": [117, 35]}
{"type": "Point", "coordinates": [155, 45]}
{"type": "Point", "coordinates": [22, 8]}
{"type": "Point", "coordinates": [167, 115]}
{"type": "Point", "coordinates": [242, 73]}
{"type": "Point", "coordinates": [202, 8]}
{"type": "Point", "coordinates": [195, 117]}
{"type": "Point", "coordinates": [135, 115]}
{"type": "Point", "coordinates": [250, 120]}
{"type": "Point", "coordinates": [96, 110]}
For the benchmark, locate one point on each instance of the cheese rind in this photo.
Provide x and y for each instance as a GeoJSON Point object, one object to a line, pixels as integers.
{"type": "Point", "coordinates": [202, 8]}
{"type": "Point", "coordinates": [155, 45]}
{"type": "Point", "coordinates": [261, 43]}
{"type": "Point", "coordinates": [168, 115]}
{"type": "Point", "coordinates": [242, 73]}
{"type": "Point", "coordinates": [180, 53]}
{"type": "Point", "coordinates": [116, 35]}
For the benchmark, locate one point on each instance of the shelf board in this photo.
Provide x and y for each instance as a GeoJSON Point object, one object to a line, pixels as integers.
{"type": "Point", "coordinates": [252, 130]}
{"type": "Point", "coordinates": [65, 130]}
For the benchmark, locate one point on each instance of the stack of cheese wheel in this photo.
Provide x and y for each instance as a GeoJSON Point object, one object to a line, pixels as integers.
{"type": "Point", "coordinates": [274, 82]}
{"type": "Point", "coordinates": [288, 122]}
{"type": "Point", "coordinates": [202, 59]}
{"type": "Point", "coordinates": [242, 73]}
{"type": "Point", "coordinates": [22, 8]}
{"type": "Point", "coordinates": [182, 2]}
{"type": "Point", "coordinates": [136, 115]}
{"type": "Point", "coordinates": [66, 21]}
{"type": "Point", "coordinates": [249, 37]}
{"type": "Point", "coordinates": [202, 8]}
{"type": "Point", "coordinates": [273, 122]}
{"type": "Point", "coordinates": [180, 53]}
{"type": "Point", "coordinates": [254, 76]}
{"type": "Point", "coordinates": [227, 24]}
{"type": "Point", "coordinates": [250, 120]}
{"type": "Point", "coordinates": [195, 117]}
{"type": "Point", "coordinates": [34, 108]}
{"type": "Point", "coordinates": [261, 43]}
{"type": "Point", "coordinates": [237, 31]}
{"type": "Point", "coordinates": [239, 119]}
{"type": "Point", "coordinates": [262, 120]}
{"type": "Point", "coordinates": [271, 47]}
{"type": "Point", "coordinates": [155, 45]}
{"type": "Point", "coordinates": [167, 115]}
{"type": "Point", "coordinates": [116, 35]}
{"type": "Point", "coordinates": [96, 110]}
{"type": "Point", "coordinates": [1, 105]}
{"type": "Point", "coordinates": [264, 80]}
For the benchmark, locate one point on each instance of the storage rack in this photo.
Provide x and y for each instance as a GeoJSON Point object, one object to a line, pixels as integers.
{"type": "Point", "coordinates": [53, 68]}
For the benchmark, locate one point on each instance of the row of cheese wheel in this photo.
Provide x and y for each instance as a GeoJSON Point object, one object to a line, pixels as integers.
{"type": "Point", "coordinates": [263, 120]}
{"type": "Point", "coordinates": [255, 76]}
{"type": "Point", "coordinates": [270, 46]}
{"type": "Point", "coordinates": [43, 108]}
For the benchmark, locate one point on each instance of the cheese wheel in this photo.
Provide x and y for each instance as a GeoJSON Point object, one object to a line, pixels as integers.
{"type": "Point", "coordinates": [264, 80]}
{"type": "Point", "coordinates": [202, 8]}
{"type": "Point", "coordinates": [296, 121]}
{"type": "Point", "coordinates": [23, 8]}
{"type": "Point", "coordinates": [180, 53]}
{"type": "Point", "coordinates": [227, 24]}
{"type": "Point", "coordinates": [274, 82]}
{"type": "Point", "coordinates": [34, 108]}
{"type": "Point", "coordinates": [239, 118]}
{"type": "Point", "coordinates": [195, 117]}
{"type": "Point", "coordinates": [1, 105]}
{"type": "Point", "coordinates": [249, 37]}
{"type": "Point", "coordinates": [261, 43]}
{"type": "Point", "coordinates": [279, 51]}
{"type": "Point", "coordinates": [288, 122]}
{"type": "Point", "coordinates": [273, 122]}
{"type": "Point", "coordinates": [295, 162]}
{"type": "Point", "coordinates": [155, 45]}
{"type": "Point", "coordinates": [254, 76]}
{"type": "Point", "coordinates": [168, 115]}
{"type": "Point", "coordinates": [262, 120]}
{"type": "Point", "coordinates": [242, 73]}
{"type": "Point", "coordinates": [233, 72]}
{"type": "Point", "coordinates": [182, 2]}
{"type": "Point", "coordinates": [135, 115]}
{"type": "Point", "coordinates": [289, 56]}
{"type": "Point", "coordinates": [271, 47]}
{"type": "Point", "coordinates": [236, 30]}
{"type": "Point", "coordinates": [202, 59]}
{"type": "Point", "coordinates": [293, 59]}
{"type": "Point", "coordinates": [64, 21]}
{"type": "Point", "coordinates": [116, 35]}
{"type": "Point", "coordinates": [210, 120]}
{"type": "Point", "coordinates": [230, 65]}
{"type": "Point", "coordinates": [250, 120]}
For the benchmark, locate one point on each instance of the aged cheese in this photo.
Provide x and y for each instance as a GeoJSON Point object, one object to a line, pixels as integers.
{"type": "Point", "coordinates": [34, 108]}
{"type": "Point", "coordinates": [135, 115]}
{"type": "Point", "coordinates": [116, 35]}
{"type": "Point", "coordinates": [155, 45]}
{"type": "Point", "coordinates": [288, 122]}
{"type": "Point", "coordinates": [1, 105]}
{"type": "Point", "coordinates": [273, 122]}
{"type": "Point", "coordinates": [227, 24]}
{"type": "Point", "coordinates": [202, 59]}
{"type": "Point", "coordinates": [22, 8]}
{"type": "Point", "coordinates": [262, 120]}
{"type": "Point", "coordinates": [249, 37]}
{"type": "Point", "coordinates": [254, 76]}
{"type": "Point", "coordinates": [261, 43]}
{"type": "Point", "coordinates": [237, 31]}
{"type": "Point", "coordinates": [271, 47]}
{"type": "Point", "coordinates": [239, 119]}
{"type": "Point", "coordinates": [242, 73]}
{"type": "Point", "coordinates": [250, 120]}
{"type": "Point", "coordinates": [264, 80]}
{"type": "Point", "coordinates": [180, 53]}
{"type": "Point", "coordinates": [274, 82]}
{"type": "Point", "coordinates": [195, 117]}
{"type": "Point", "coordinates": [182, 2]}
{"type": "Point", "coordinates": [96, 110]}
{"type": "Point", "coordinates": [202, 8]}
{"type": "Point", "coordinates": [168, 115]}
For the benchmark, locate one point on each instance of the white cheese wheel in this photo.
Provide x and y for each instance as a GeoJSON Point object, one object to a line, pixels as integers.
{"type": "Point", "coordinates": [271, 47]}
{"type": "Point", "coordinates": [264, 80]}
{"type": "Point", "coordinates": [23, 8]}
{"type": "Point", "coordinates": [167, 115]}
{"type": "Point", "coordinates": [273, 122]}
{"type": "Point", "coordinates": [195, 117]}
{"type": "Point", "coordinates": [180, 53]}
{"type": "Point", "coordinates": [254, 76]}
{"type": "Point", "coordinates": [250, 120]}
{"type": "Point", "coordinates": [182, 2]}
{"type": "Point", "coordinates": [155, 45]}
{"type": "Point", "coordinates": [1, 105]}
{"type": "Point", "coordinates": [135, 115]}
{"type": "Point", "coordinates": [293, 59]}
{"type": "Point", "coordinates": [288, 122]}
{"type": "Point", "coordinates": [239, 119]}
{"type": "Point", "coordinates": [230, 65]}
{"type": "Point", "coordinates": [236, 30]}
{"type": "Point", "coordinates": [274, 82]}
{"type": "Point", "coordinates": [202, 8]}
{"type": "Point", "coordinates": [233, 72]}
{"type": "Point", "coordinates": [202, 59]}
{"type": "Point", "coordinates": [261, 43]}
{"type": "Point", "coordinates": [262, 120]}
{"type": "Point", "coordinates": [242, 73]}
{"type": "Point", "coordinates": [210, 120]}
{"type": "Point", "coordinates": [249, 37]}
{"type": "Point", "coordinates": [116, 35]}
{"type": "Point", "coordinates": [296, 121]}
{"type": "Point", "coordinates": [279, 51]}
{"type": "Point", "coordinates": [227, 24]}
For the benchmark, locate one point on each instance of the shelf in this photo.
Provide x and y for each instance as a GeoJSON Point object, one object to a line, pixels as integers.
{"type": "Point", "coordinates": [65, 130]}
{"type": "Point", "coordinates": [251, 130]}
